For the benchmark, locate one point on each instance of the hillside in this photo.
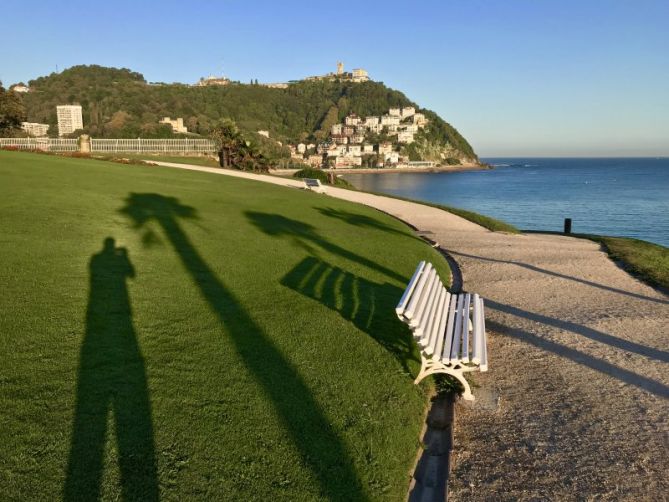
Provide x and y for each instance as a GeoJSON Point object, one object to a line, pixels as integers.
{"type": "Point", "coordinates": [121, 103]}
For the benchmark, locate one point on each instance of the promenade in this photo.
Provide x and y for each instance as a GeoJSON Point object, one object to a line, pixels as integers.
{"type": "Point", "coordinates": [575, 405]}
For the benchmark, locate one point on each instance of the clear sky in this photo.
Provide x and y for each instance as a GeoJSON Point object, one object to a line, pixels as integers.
{"type": "Point", "coordinates": [525, 77]}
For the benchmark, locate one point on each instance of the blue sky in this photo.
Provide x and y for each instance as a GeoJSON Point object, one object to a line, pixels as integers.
{"type": "Point", "coordinates": [530, 77]}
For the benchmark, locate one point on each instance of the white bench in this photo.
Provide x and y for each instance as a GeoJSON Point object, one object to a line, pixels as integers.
{"type": "Point", "coordinates": [449, 328]}
{"type": "Point", "coordinates": [314, 184]}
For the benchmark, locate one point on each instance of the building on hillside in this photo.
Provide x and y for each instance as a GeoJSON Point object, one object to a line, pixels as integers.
{"type": "Point", "coordinates": [349, 130]}
{"type": "Point", "coordinates": [19, 88]}
{"type": "Point", "coordinates": [352, 120]}
{"type": "Point", "coordinates": [264, 133]}
{"type": "Point", "coordinates": [419, 119]}
{"type": "Point", "coordinates": [340, 139]}
{"type": "Point", "coordinates": [176, 124]}
{"type": "Point", "coordinates": [395, 112]}
{"type": "Point", "coordinates": [392, 129]}
{"type": "Point", "coordinates": [391, 158]}
{"type": "Point", "coordinates": [372, 121]}
{"type": "Point", "coordinates": [276, 85]}
{"type": "Point", "coordinates": [360, 75]}
{"type": "Point", "coordinates": [408, 111]}
{"type": "Point", "coordinates": [358, 137]}
{"type": "Point", "coordinates": [336, 150]}
{"type": "Point", "coordinates": [354, 150]}
{"type": "Point", "coordinates": [35, 129]}
{"type": "Point", "coordinates": [336, 129]}
{"type": "Point", "coordinates": [69, 119]}
{"type": "Point", "coordinates": [315, 160]}
{"type": "Point", "coordinates": [322, 148]}
{"type": "Point", "coordinates": [409, 127]}
{"type": "Point", "coordinates": [212, 80]}
{"type": "Point", "coordinates": [375, 128]}
{"type": "Point", "coordinates": [301, 148]}
{"type": "Point", "coordinates": [387, 120]}
{"type": "Point", "coordinates": [367, 148]}
{"type": "Point", "coordinates": [405, 137]}
{"type": "Point", "coordinates": [348, 161]}
{"type": "Point", "coordinates": [385, 148]}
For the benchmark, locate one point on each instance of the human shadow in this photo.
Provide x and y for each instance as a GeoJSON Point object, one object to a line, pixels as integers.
{"type": "Point", "coordinates": [306, 236]}
{"type": "Point", "coordinates": [561, 276]}
{"type": "Point", "coordinates": [318, 443]}
{"type": "Point", "coordinates": [593, 334]}
{"type": "Point", "coordinates": [112, 378]}
{"type": "Point", "coordinates": [622, 374]}
{"type": "Point", "coordinates": [366, 304]}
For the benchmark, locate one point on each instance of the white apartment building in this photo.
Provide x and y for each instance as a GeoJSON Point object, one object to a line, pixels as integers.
{"type": "Point", "coordinates": [409, 127]}
{"type": "Point", "coordinates": [371, 121]}
{"type": "Point", "coordinates": [336, 129]}
{"type": "Point", "coordinates": [69, 119]}
{"type": "Point", "coordinates": [387, 120]}
{"type": "Point", "coordinates": [19, 88]}
{"type": "Point", "coordinates": [301, 148]}
{"type": "Point", "coordinates": [395, 112]}
{"type": "Point", "coordinates": [348, 161]}
{"type": "Point", "coordinates": [392, 158]}
{"type": "Point", "coordinates": [354, 150]}
{"type": "Point", "coordinates": [408, 111]}
{"type": "Point", "coordinates": [352, 120]}
{"type": "Point", "coordinates": [176, 124]}
{"type": "Point", "coordinates": [336, 150]}
{"type": "Point", "coordinates": [376, 128]}
{"type": "Point", "coordinates": [357, 138]}
{"type": "Point", "coordinates": [405, 137]}
{"type": "Point", "coordinates": [419, 119]}
{"type": "Point", "coordinates": [35, 129]}
{"type": "Point", "coordinates": [385, 148]}
{"type": "Point", "coordinates": [367, 148]}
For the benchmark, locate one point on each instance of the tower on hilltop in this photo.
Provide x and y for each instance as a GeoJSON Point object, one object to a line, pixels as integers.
{"type": "Point", "coordinates": [340, 68]}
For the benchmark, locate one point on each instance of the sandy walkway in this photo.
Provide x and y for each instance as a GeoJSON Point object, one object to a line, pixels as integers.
{"type": "Point", "coordinates": [576, 403]}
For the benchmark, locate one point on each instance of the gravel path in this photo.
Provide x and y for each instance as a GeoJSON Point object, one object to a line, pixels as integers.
{"type": "Point", "coordinates": [576, 403]}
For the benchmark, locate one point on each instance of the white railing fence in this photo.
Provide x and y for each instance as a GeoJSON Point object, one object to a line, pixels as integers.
{"type": "Point", "coordinates": [153, 146]}
{"type": "Point", "coordinates": [45, 144]}
{"type": "Point", "coordinates": [177, 146]}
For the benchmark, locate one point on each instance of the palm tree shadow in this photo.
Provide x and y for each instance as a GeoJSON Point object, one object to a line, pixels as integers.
{"type": "Point", "coordinates": [112, 378]}
{"type": "Point", "coordinates": [319, 445]}
{"type": "Point", "coordinates": [365, 303]}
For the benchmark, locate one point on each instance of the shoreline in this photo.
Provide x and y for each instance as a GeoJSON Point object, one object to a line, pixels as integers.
{"type": "Point", "coordinates": [367, 170]}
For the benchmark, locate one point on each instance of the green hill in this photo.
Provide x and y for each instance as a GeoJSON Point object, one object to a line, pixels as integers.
{"type": "Point", "coordinates": [121, 103]}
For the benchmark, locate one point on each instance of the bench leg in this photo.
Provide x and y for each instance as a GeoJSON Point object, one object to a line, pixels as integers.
{"type": "Point", "coordinates": [430, 368]}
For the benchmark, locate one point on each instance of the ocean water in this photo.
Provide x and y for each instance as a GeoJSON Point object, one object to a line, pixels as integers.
{"type": "Point", "coordinates": [626, 197]}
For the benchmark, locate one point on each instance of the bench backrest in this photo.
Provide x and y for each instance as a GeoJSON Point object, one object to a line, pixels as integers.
{"type": "Point", "coordinates": [449, 327]}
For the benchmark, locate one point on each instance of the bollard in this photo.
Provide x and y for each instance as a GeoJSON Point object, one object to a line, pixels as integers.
{"type": "Point", "coordinates": [567, 225]}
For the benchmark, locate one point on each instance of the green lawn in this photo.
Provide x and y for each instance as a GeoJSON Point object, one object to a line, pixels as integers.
{"type": "Point", "coordinates": [185, 335]}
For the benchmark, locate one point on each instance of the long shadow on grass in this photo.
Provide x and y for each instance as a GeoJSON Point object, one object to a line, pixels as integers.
{"type": "Point", "coordinates": [111, 378]}
{"type": "Point", "coordinates": [367, 304]}
{"type": "Point", "coordinates": [319, 445]}
{"type": "Point", "coordinates": [305, 236]}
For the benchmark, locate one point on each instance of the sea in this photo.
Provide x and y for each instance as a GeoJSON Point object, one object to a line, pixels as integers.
{"type": "Point", "coordinates": [627, 197]}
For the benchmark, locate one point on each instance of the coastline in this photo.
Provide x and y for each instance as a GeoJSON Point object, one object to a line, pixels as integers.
{"type": "Point", "coordinates": [436, 169]}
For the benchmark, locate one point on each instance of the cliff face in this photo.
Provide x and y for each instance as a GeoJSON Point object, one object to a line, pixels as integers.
{"type": "Point", "coordinates": [120, 103]}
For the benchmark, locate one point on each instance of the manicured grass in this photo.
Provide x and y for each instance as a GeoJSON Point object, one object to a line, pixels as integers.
{"type": "Point", "coordinates": [196, 160]}
{"type": "Point", "coordinates": [184, 335]}
{"type": "Point", "coordinates": [648, 261]}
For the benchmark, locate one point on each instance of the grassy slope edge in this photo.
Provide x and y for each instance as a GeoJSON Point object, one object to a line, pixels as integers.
{"type": "Point", "coordinates": [253, 352]}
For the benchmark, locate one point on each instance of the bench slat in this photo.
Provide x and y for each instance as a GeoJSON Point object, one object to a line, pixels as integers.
{"type": "Point", "coordinates": [415, 297]}
{"type": "Point", "coordinates": [441, 329]}
{"type": "Point", "coordinates": [433, 319]}
{"type": "Point", "coordinates": [410, 288]}
{"type": "Point", "coordinates": [425, 312]}
{"type": "Point", "coordinates": [450, 326]}
{"type": "Point", "coordinates": [477, 337]}
{"type": "Point", "coordinates": [457, 331]}
{"type": "Point", "coordinates": [437, 336]}
{"type": "Point", "coordinates": [425, 296]}
{"type": "Point", "coordinates": [464, 353]}
{"type": "Point", "coordinates": [483, 365]}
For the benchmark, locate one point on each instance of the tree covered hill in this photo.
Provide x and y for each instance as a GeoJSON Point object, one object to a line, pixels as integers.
{"type": "Point", "coordinates": [121, 103]}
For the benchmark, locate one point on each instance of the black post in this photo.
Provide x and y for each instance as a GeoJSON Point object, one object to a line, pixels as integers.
{"type": "Point", "coordinates": [567, 225]}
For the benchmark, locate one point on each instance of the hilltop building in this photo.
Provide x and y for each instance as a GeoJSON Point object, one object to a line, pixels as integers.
{"type": "Point", "coordinates": [35, 129]}
{"type": "Point", "coordinates": [19, 88]}
{"type": "Point", "coordinates": [358, 75]}
{"type": "Point", "coordinates": [70, 119]}
{"type": "Point", "coordinates": [212, 80]}
{"type": "Point", "coordinates": [177, 124]}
